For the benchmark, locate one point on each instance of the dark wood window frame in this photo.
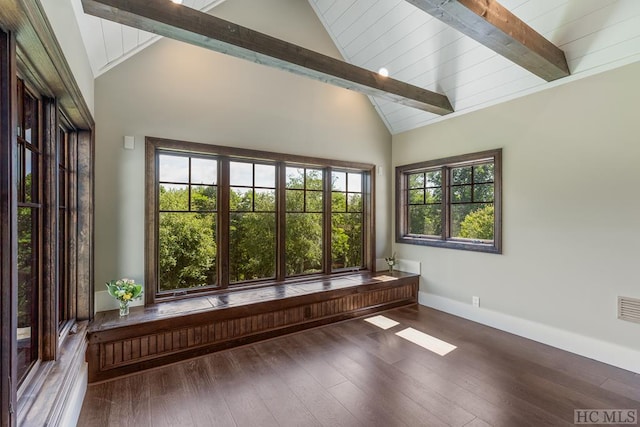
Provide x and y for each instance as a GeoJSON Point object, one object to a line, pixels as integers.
{"type": "Point", "coordinates": [445, 240]}
{"type": "Point", "coordinates": [8, 225]}
{"type": "Point", "coordinates": [154, 146]}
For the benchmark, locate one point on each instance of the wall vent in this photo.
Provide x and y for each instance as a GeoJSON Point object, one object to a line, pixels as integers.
{"type": "Point", "coordinates": [629, 309]}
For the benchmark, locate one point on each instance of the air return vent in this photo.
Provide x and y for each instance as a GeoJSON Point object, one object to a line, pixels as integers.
{"type": "Point", "coordinates": [629, 309]}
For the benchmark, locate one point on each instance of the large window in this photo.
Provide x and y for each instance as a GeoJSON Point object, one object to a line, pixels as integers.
{"type": "Point", "coordinates": [220, 217]}
{"type": "Point", "coordinates": [46, 293]}
{"type": "Point", "coordinates": [453, 202]}
{"type": "Point", "coordinates": [46, 232]}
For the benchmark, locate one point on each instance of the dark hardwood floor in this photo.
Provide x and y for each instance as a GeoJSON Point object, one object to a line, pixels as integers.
{"type": "Point", "coordinates": [356, 374]}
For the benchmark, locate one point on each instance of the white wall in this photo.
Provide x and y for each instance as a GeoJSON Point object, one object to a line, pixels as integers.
{"type": "Point", "coordinates": [175, 90]}
{"type": "Point", "coordinates": [571, 216]}
{"type": "Point", "coordinates": [62, 19]}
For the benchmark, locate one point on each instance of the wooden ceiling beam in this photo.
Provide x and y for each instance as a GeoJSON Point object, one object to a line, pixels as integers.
{"type": "Point", "coordinates": [490, 24]}
{"type": "Point", "coordinates": [192, 26]}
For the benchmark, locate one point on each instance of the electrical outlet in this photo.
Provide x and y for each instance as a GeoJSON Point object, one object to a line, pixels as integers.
{"type": "Point", "coordinates": [475, 301]}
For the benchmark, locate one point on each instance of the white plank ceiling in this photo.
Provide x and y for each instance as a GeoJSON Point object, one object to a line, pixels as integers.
{"type": "Point", "coordinates": [596, 35]}
{"type": "Point", "coordinates": [109, 43]}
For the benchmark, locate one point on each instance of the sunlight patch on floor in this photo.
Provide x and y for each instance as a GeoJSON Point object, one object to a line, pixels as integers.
{"type": "Point", "coordinates": [382, 322]}
{"type": "Point", "coordinates": [426, 341]}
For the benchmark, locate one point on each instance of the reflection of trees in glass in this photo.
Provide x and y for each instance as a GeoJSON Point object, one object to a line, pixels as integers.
{"type": "Point", "coordinates": [29, 241]}
{"type": "Point", "coordinates": [25, 264]}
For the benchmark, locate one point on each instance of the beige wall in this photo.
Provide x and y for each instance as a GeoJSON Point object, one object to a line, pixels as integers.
{"type": "Point", "coordinates": [571, 214]}
{"type": "Point", "coordinates": [174, 90]}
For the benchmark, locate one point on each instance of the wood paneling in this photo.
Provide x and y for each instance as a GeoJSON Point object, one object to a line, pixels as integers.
{"type": "Point", "coordinates": [145, 339]}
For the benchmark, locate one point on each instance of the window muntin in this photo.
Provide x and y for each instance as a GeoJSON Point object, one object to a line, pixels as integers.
{"type": "Point", "coordinates": [273, 215]}
{"type": "Point", "coordinates": [454, 202]}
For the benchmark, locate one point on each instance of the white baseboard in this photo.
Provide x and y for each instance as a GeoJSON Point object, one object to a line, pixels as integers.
{"type": "Point", "coordinates": [602, 351]}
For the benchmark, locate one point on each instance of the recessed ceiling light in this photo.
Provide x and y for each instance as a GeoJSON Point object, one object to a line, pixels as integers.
{"type": "Point", "coordinates": [383, 72]}
{"type": "Point", "coordinates": [177, 1]}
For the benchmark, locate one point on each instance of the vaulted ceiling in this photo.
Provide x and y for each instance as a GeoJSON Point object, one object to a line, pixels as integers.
{"type": "Point", "coordinates": [423, 52]}
{"type": "Point", "coordinates": [109, 43]}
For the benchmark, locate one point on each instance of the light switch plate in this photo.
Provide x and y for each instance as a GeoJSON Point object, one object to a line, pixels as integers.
{"type": "Point", "coordinates": [129, 143]}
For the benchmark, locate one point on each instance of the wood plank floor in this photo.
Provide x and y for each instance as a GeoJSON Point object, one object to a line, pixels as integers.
{"type": "Point", "coordinates": [356, 374]}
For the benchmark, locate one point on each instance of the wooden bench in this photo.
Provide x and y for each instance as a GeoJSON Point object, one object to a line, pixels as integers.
{"type": "Point", "coordinates": [174, 331]}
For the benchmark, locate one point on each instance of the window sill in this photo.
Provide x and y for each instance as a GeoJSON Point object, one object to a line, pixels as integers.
{"type": "Point", "coordinates": [237, 298]}
{"type": "Point", "coordinates": [212, 291]}
{"type": "Point", "coordinates": [451, 244]}
{"type": "Point", "coordinates": [45, 399]}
